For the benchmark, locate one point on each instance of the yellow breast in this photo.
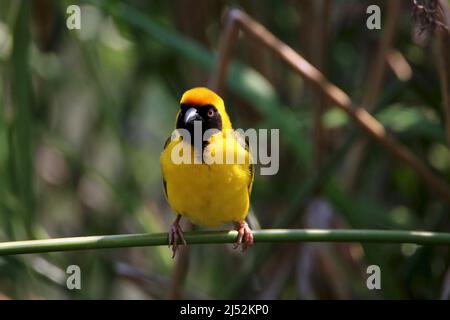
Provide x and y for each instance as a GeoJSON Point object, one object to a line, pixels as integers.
{"type": "Point", "coordinates": [208, 194]}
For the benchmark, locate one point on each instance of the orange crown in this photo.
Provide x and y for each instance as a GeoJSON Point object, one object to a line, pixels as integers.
{"type": "Point", "coordinates": [202, 96]}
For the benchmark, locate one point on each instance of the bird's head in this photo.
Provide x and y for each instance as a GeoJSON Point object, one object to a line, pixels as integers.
{"type": "Point", "coordinates": [204, 105]}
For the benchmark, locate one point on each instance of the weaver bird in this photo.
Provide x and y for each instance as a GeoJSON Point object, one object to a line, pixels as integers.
{"type": "Point", "coordinates": [207, 193]}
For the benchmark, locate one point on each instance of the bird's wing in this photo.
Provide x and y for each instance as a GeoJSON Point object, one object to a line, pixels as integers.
{"type": "Point", "coordinates": [164, 180]}
{"type": "Point", "coordinates": [244, 142]}
{"type": "Point", "coordinates": [251, 166]}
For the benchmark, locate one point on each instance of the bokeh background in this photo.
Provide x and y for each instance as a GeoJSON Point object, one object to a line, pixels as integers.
{"type": "Point", "coordinates": [85, 113]}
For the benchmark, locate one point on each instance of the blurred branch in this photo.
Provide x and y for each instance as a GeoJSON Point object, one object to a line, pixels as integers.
{"type": "Point", "coordinates": [226, 46]}
{"type": "Point", "coordinates": [359, 115]}
{"type": "Point", "coordinates": [214, 237]}
{"type": "Point", "coordinates": [319, 46]}
{"type": "Point", "coordinates": [376, 75]}
{"type": "Point", "coordinates": [399, 65]}
{"type": "Point", "coordinates": [374, 84]}
{"type": "Point", "coordinates": [21, 166]}
{"type": "Point", "coordinates": [443, 49]}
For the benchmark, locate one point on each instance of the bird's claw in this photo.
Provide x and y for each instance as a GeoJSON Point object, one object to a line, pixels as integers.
{"type": "Point", "coordinates": [245, 237]}
{"type": "Point", "coordinates": [175, 236]}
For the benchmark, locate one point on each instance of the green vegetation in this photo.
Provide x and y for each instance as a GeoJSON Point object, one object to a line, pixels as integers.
{"type": "Point", "coordinates": [84, 115]}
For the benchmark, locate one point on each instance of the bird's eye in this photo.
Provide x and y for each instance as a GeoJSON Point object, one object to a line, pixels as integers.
{"type": "Point", "coordinates": [210, 112]}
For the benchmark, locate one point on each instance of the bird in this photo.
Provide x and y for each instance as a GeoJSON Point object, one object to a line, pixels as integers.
{"type": "Point", "coordinates": [205, 192]}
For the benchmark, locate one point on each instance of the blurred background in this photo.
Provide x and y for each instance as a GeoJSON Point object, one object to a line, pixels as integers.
{"type": "Point", "coordinates": [85, 113]}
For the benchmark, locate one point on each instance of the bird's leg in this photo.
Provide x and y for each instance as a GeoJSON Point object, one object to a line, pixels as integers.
{"type": "Point", "coordinates": [175, 235]}
{"type": "Point", "coordinates": [245, 236]}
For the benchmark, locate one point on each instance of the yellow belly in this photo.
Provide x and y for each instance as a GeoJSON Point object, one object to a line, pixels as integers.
{"type": "Point", "coordinates": [209, 195]}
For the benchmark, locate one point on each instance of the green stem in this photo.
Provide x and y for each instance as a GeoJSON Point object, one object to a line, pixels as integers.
{"type": "Point", "coordinates": [211, 237]}
{"type": "Point", "coordinates": [21, 129]}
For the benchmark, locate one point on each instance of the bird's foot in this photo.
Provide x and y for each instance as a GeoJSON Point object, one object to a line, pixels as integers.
{"type": "Point", "coordinates": [245, 236]}
{"type": "Point", "coordinates": [176, 236]}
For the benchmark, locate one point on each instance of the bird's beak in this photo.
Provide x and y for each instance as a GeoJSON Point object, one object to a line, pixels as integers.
{"type": "Point", "coordinates": [192, 115]}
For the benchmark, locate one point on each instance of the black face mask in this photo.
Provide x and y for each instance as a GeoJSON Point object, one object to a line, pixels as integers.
{"type": "Point", "coordinates": [208, 116]}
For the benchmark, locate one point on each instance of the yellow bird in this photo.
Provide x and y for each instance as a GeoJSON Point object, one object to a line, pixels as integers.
{"type": "Point", "coordinates": [208, 192]}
